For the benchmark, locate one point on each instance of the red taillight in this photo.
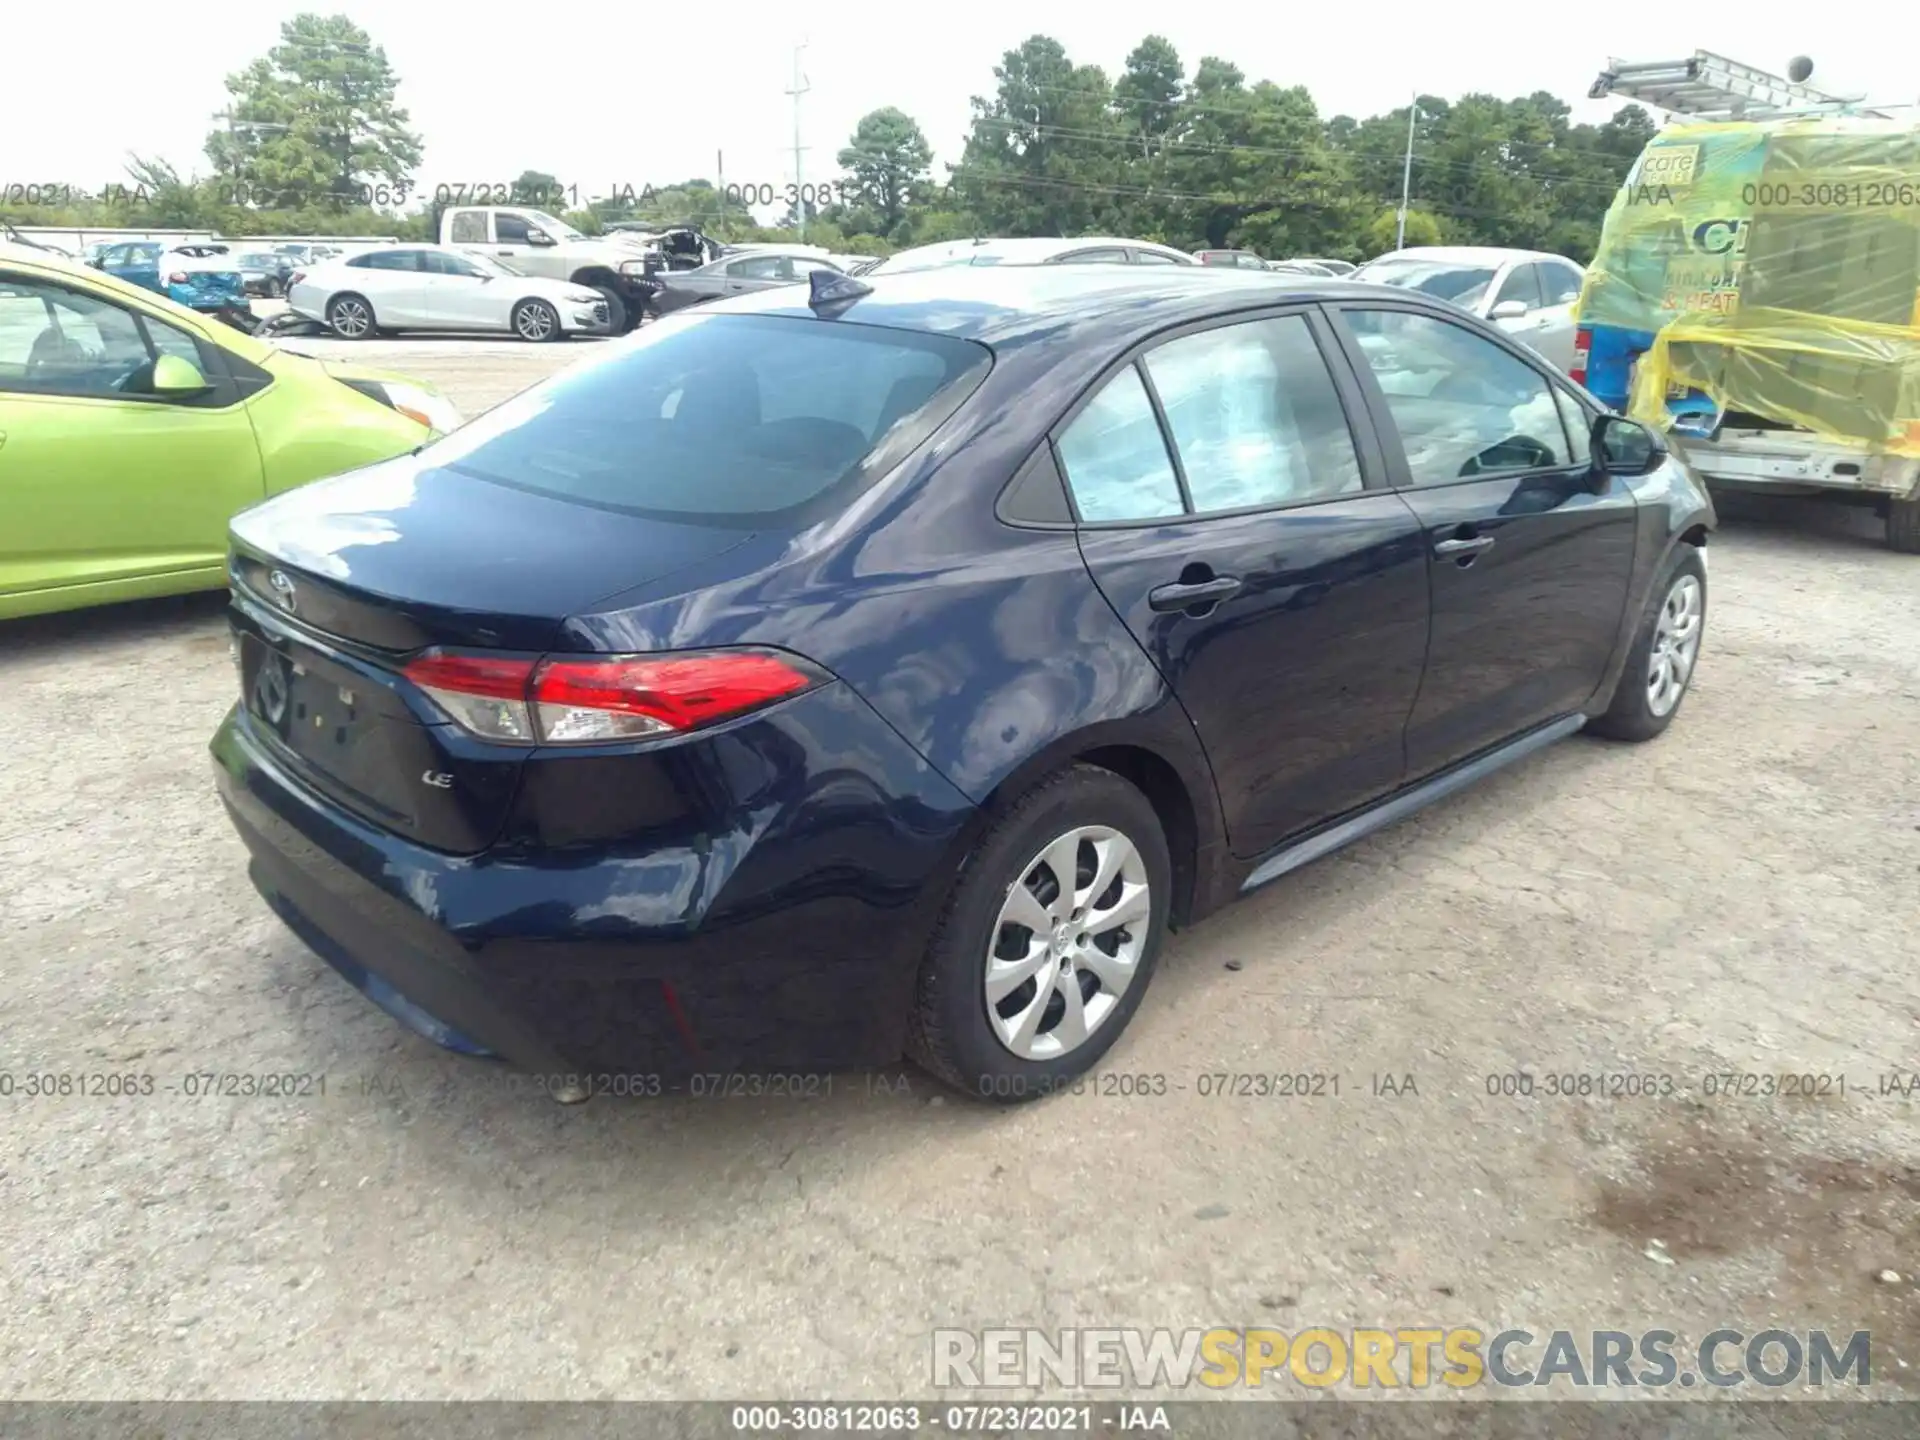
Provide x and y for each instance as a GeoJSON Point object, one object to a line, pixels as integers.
{"type": "Point", "coordinates": [178, 277]}
{"type": "Point", "coordinates": [580, 700]}
{"type": "Point", "coordinates": [1582, 350]}
{"type": "Point", "coordinates": [296, 277]}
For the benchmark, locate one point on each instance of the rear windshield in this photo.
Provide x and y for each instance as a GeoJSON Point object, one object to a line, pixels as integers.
{"type": "Point", "coordinates": [727, 419]}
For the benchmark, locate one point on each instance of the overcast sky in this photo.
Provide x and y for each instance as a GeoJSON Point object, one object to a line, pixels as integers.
{"type": "Point", "coordinates": [649, 93]}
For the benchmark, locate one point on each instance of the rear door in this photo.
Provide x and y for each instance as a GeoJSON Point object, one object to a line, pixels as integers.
{"type": "Point", "coordinates": [399, 289]}
{"type": "Point", "coordinates": [1221, 488]}
{"type": "Point", "coordinates": [101, 480]}
{"type": "Point", "coordinates": [1531, 550]}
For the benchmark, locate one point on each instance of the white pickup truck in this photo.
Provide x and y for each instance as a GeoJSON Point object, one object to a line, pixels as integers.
{"type": "Point", "coordinates": [537, 243]}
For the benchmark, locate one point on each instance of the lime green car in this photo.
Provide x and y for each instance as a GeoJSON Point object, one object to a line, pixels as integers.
{"type": "Point", "coordinates": [133, 429]}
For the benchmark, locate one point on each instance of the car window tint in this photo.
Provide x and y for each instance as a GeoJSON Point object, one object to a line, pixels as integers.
{"type": "Point", "coordinates": [510, 229]}
{"type": "Point", "coordinates": [1579, 426]}
{"type": "Point", "coordinates": [1463, 405]}
{"type": "Point", "coordinates": [726, 418]}
{"type": "Point", "coordinates": [469, 227]}
{"type": "Point", "coordinates": [1254, 415]}
{"type": "Point", "coordinates": [1152, 257]}
{"type": "Point", "coordinates": [1093, 257]}
{"type": "Point", "coordinates": [1116, 457]}
{"type": "Point", "coordinates": [59, 341]}
{"type": "Point", "coordinates": [757, 267]}
{"type": "Point", "coordinates": [1561, 282]}
{"type": "Point", "coordinates": [1522, 284]}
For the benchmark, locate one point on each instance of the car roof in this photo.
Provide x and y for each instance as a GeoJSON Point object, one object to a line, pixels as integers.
{"type": "Point", "coordinates": [1030, 249]}
{"type": "Point", "coordinates": [1468, 254]}
{"type": "Point", "coordinates": [1001, 305]}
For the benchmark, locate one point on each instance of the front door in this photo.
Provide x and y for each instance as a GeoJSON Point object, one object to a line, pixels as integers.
{"type": "Point", "coordinates": [1530, 548]}
{"type": "Point", "coordinates": [1224, 513]}
{"type": "Point", "coordinates": [99, 479]}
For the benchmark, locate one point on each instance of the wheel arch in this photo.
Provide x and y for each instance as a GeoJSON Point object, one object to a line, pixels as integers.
{"type": "Point", "coordinates": [1178, 786]}
{"type": "Point", "coordinates": [594, 275]}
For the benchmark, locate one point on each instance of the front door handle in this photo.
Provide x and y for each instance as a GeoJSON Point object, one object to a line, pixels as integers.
{"type": "Point", "coordinates": [1472, 545]}
{"type": "Point", "coordinates": [1166, 598]}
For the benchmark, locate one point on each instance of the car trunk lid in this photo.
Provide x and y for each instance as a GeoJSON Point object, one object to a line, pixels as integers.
{"type": "Point", "coordinates": [336, 586]}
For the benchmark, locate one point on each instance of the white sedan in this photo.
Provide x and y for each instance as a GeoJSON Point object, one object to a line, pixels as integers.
{"type": "Point", "coordinates": [438, 287]}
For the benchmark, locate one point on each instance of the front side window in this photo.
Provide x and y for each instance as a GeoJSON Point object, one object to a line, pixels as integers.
{"type": "Point", "coordinates": [66, 342]}
{"type": "Point", "coordinates": [1560, 281]}
{"type": "Point", "coordinates": [1093, 257]}
{"type": "Point", "coordinates": [509, 228]}
{"type": "Point", "coordinates": [1153, 257]}
{"type": "Point", "coordinates": [1255, 416]}
{"type": "Point", "coordinates": [1463, 406]}
{"type": "Point", "coordinates": [1522, 284]}
{"type": "Point", "coordinates": [757, 267]}
{"type": "Point", "coordinates": [1116, 457]}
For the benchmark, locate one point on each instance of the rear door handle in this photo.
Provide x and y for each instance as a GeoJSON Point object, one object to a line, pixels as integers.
{"type": "Point", "coordinates": [1470, 546]}
{"type": "Point", "coordinates": [1165, 598]}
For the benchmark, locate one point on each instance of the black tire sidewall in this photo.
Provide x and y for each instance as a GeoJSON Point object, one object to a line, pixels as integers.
{"type": "Point", "coordinates": [952, 990]}
{"type": "Point", "coordinates": [1630, 717]}
{"type": "Point", "coordinates": [617, 311]}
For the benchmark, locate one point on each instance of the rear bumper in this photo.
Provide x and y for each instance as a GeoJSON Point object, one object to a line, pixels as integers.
{"type": "Point", "coordinates": [789, 944]}
{"type": "Point", "coordinates": [1789, 460]}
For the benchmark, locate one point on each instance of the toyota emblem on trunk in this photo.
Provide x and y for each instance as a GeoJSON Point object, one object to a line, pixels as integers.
{"type": "Point", "coordinates": [282, 588]}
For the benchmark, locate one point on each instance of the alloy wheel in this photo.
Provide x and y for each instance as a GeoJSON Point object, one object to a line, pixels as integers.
{"type": "Point", "coordinates": [1067, 943]}
{"type": "Point", "coordinates": [534, 322]}
{"type": "Point", "coordinates": [1676, 643]}
{"type": "Point", "coordinates": [351, 319]}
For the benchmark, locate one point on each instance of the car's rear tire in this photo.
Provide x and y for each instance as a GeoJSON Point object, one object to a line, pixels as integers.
{"type": "Point", "coordinates": [536, 321]}
{"type": "Point", "coordinates": [1903, 526]}
{"type": "Point", "coordinates": [350, 316]}
{"type": "Point", "coordinates": [992, 1015]}
{"type": "Point", "coordinates": [1665, 653]}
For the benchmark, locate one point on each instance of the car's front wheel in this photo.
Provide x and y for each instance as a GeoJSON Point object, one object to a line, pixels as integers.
{"type": "Point", "coordinates": [1048, 940]}
{"type": "Point", "coordinates": [536, 320]}
{"type": "Point", "coordinates": [1665, 650]}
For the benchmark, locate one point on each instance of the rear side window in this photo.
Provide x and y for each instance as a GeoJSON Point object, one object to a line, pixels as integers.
{"type": "Point", "coordinates": [1254, 415]}
{"type": "Point", "coordinates": [724, 419]}
{"type": "Point", "coordinates": [1116, 458]}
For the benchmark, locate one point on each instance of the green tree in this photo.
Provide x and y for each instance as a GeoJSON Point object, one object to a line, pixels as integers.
{"type": "Point", "coordinates": [314, 121]}
{"type": "Point", "coordinates": [887, 161]}
{"type": "Point", "coordinates": [1043, 155]}
{"type": "Point", "coordinates": [1422, 229]}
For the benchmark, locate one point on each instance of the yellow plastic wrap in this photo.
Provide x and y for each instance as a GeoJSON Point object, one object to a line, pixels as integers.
{"type": "Point", "coordinates": [1777, 266]}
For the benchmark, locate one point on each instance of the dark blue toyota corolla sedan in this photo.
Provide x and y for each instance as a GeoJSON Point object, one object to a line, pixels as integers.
{"type": "Point", "coordinates": [861, 669]}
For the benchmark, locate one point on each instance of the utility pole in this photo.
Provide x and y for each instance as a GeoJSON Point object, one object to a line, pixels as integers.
{"type": "Point", "coordinates": [800, 87]}
{"type": "Point", "coordinates": [1406, 176]}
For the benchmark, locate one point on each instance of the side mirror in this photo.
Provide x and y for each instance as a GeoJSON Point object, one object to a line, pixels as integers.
{"type": "Point", "coordinates": [1626, 447]}
{"type": "Point", "coordinates": [1509, 310]}
{"type": "Point", "coordinates": [178, 379]}
{"type": "Point", "coordinates": [539, 237]}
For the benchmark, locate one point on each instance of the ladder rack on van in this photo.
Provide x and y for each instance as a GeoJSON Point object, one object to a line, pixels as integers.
{"type": "Point", "coordinates": [1706, 86]}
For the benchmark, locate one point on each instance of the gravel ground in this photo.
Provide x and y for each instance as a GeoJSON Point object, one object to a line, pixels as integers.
{"type": "Point", "coordinates": [1739, 896]}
